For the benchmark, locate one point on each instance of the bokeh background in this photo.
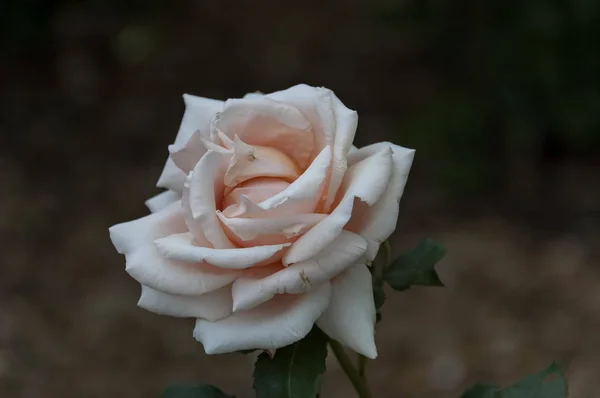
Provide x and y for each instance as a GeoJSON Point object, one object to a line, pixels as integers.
{"type": "Point", "coordinates": [501, 99]}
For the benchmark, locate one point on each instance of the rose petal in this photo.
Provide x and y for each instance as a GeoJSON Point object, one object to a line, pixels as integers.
{"type": "Point", "coordinates": [301, 194]}
{"type": "Point", "coordinates": [186, 157]}
{"type": "Point", "coordinates": [135, 239]}
{"type": "Point", "coordinates": [279, 322]}
{"type": "Point", "coordinates": [299, 197]}
{"type": "Point", "coordinates": [350, 317]}
{"type": "Point", "coordinates": [198, 115]}
{"type": "Point", "coordinates": [333, 122]}
{"type": "Point", "coordinates": [366, 181]}
{"type": "Point", "coordinates": [211, 306]}
{"type": "Point", "coordinates": [257, 190]}
{"type": "Point", "coordinates": [261, 121]}
{"type": "Point", "coordinates": [379, 221]}
{"type": "Point", "coordinates": [162, 200]}
{"type": "Point", "coordinates": [256, 94]}
{"type": "Point", "coordinates": [221, 147]}
{"type": "Point", "coordinates": [226, 141]}
{"type": "Point", "coordinates": [250, 162]}
{"type": "Point", "coordinates": [346, 121]}
{"type": "Point", "coordinates": [289, 226]}
{"type": "Point", "coordinates": [180, 247]}
{"type": "Point", "coordinates": [252, 288]}
{"type": "Point", "coordinates": [205, 183]}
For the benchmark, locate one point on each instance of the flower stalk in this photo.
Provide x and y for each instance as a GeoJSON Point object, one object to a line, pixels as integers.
{"type": "Point", "coordinates": [358, 381]}
{"type": "Point", "coordinates": [362, 365]}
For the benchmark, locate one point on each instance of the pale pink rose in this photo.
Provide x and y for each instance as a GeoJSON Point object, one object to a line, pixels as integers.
{"type": "Point", "coordinates": [269, 223]}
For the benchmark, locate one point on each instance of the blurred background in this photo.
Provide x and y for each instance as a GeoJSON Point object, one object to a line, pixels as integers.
{"type": "Point", "coordinates": [501, 99]}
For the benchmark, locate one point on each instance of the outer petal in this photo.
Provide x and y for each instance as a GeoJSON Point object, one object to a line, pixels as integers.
{"type": "Point", "coordinates": [162, 200]}
{"type": "Point", "coordinates": [185, 157]}
{"type": "Point", "coordinates": [333, 122]}
{"type": "Point", "coordinates": [258, 120]}
{"type": "Point", "coordinates": [198, 115]}
{"type": "Point", "coordinates": [256, 94]}
{"type": "Point", "coordinates": [251, 289]}
{"type": "Point", "coordinates": [366, 181]}
{"type": "Point", "coordinates": [346, 121]}
{"type": "Point", "coordinates": [379, 221]}
{"type": "Point", "coordinates": [350, 317]}
{"type": "Point", "coordinates": [279, 322]}
{"type": "Point", "coordinates": [210, 306]}
{"type": "Point", "coordinates": [135, 239]}
{"type": "Point", "coordinates": [180, 247]}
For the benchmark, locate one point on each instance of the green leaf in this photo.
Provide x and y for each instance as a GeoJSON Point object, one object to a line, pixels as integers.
{"type": "Point", "coordinates": [295, 371]}
{"type": "Point", "coordinates": [549, 383]}
{"type": "Point", "coordinates": [377, 269]}
{"type": "Point", "coordinates": [379, 296]}
{"type": "Point", "coordinates": [416, 267]}
{"type": "Point", "coordinates": [194, 391]}
{"type": "Point", "coordinates": [480, 391]}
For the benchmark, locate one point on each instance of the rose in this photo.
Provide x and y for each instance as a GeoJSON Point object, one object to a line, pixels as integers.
{"type": "Point", "coordinates": [269, 223]}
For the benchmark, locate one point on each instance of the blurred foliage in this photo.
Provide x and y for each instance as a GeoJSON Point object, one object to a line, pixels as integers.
{"type": "Point", "coordinates": [549, 383]}
{"type": "Point", "coordinates": [26, 25]}
{"type": "Point", "coordinates": [416, 267]}
{"type": "Point", "coordinates": [516, 79]}
{"type": "Point", "coordinates": [24, 22]}
{"type": "Point", "coordinates": [515, 82]}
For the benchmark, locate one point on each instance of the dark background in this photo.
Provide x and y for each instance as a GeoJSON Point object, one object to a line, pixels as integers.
{"type": "Point", "coordinates": [500, 98]}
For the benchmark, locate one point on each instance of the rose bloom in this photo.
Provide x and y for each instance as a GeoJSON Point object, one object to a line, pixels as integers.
{"type": "Point", "coordinates": [269, 223]}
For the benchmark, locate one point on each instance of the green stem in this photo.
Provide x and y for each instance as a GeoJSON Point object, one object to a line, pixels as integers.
{"type": "Point", "coordinates": [359, 383]}
{"type": "Point", "coordinates": [362, 366]}
{"type": "Point", "coordinates": [388, 252]}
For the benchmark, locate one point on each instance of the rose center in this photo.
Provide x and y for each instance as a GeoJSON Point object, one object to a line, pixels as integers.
{"type": "Point", "coordinates": [256, 189]}
{"type": "Point", "coordinates": [254, 161]}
